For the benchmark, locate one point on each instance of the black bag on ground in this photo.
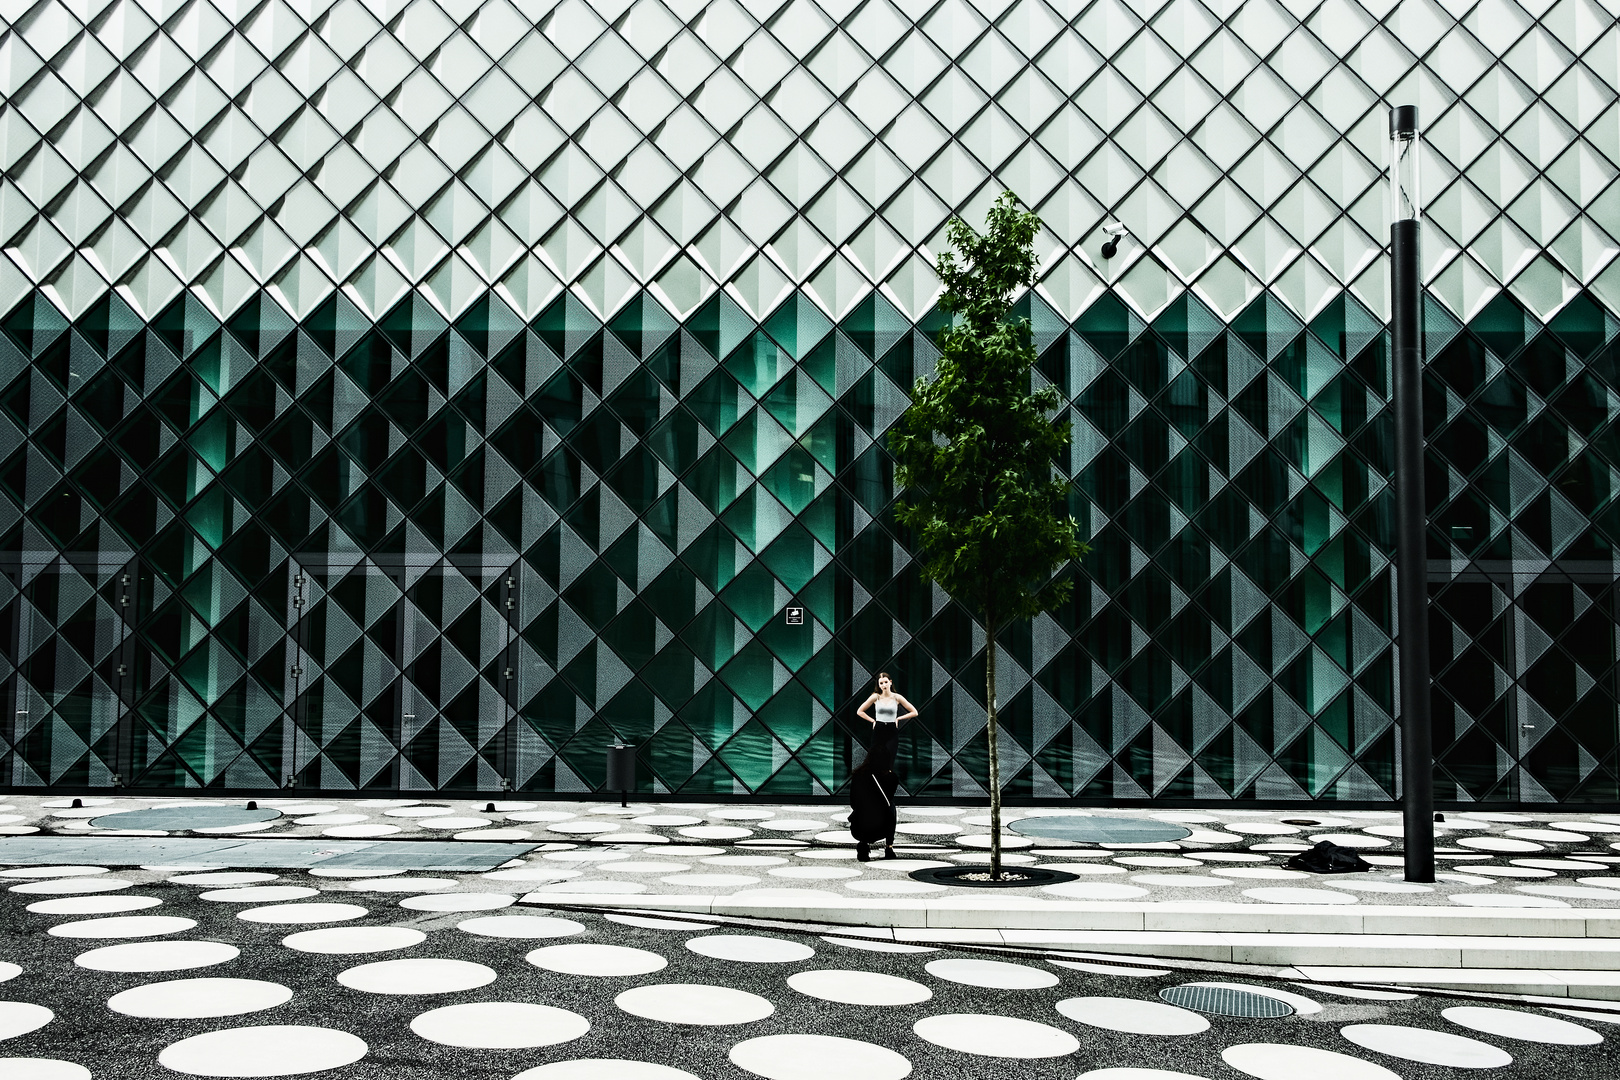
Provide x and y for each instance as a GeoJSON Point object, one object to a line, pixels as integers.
{"type": "Point", "coordinates": [1329, 858]}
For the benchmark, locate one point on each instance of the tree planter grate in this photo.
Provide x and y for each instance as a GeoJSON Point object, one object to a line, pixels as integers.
{"type": "Point", "coordinates": [1224, 1001]}
{"type": "Point", "coordinates": [955, 875]}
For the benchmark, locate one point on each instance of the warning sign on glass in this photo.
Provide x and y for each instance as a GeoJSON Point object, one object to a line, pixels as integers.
{"type": "Point", "coordinates": [795, 616]}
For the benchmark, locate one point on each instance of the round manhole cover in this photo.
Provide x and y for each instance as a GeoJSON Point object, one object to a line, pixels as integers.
{"type": "Point", "coordinates": [1101, 830]}
{"type": "Point", "coordinates": [173, 818]}
{"type": "Point", "coordinates": [1224, 1001]}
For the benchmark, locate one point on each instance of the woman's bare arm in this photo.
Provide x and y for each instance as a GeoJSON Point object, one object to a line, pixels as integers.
{"type": "Point", "coordinates": [911, 710]}
{"type": "Point", "coordinates": [861, 712]}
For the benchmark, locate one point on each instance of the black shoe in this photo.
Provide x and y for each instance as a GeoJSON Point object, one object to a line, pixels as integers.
{"type": "Point", "coordinates": [888, 853]}
{"type": "Point", "coordinates": [863, 853]}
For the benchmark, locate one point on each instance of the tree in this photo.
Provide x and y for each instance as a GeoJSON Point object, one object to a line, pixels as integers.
{"type": "Point", "coordinates": [975, 453]}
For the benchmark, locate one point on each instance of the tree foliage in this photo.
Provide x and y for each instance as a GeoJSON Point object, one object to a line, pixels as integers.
{"type": "Point", "coordinates": [976, 449]}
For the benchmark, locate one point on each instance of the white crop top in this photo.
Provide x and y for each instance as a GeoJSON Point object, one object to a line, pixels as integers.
{"type": "Point", "coordinates": [887, 710]}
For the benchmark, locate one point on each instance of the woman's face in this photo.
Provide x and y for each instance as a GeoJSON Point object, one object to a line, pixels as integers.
{"type": "Point", "coordinates": [885, 685]}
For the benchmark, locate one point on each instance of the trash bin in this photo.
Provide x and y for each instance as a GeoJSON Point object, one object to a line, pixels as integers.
{"type": "Point", "coordinates": [621, 771]}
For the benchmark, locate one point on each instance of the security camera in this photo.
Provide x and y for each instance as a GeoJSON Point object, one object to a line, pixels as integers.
{"type": "Point", "coordinates": [1114, 231]}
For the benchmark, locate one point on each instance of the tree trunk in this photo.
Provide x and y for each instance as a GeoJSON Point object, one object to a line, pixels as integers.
{"type": "Point", "coordinates": [995, 763]}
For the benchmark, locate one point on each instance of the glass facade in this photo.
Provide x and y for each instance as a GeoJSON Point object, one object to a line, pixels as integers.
{"type": "Point", "coordinates": [423, 395]}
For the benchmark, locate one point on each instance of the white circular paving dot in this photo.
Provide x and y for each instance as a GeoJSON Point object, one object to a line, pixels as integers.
{"type": "Point", "coordinates": [199, 999]}
{"type": "Point", "coordinates": [716, 832]}
{"type": "Point", "coordinates": [259, 894]}
{"type": "Point", "coordinates": [1133, 1016]}
{"type": "Point", "coordinates": [649, 866]}
{"type": "Point", "coordinates": [1351, 840]}
{"type": "Point", "coordinates": [93, 905]}
{"type": "Point", "coordinates": [897, 887]}
{"type": "Point", "coordinates": [859, 987]}
{"type": "Point", "coordinates": [499, 1025]}
{"type": "Point", "coordinates": [1267, 873]}
{"type": "Point", "coordinates": [827, 873]}
{"type": "Point", "coordinates": [271, 1050]}
{"type": "Point", "coordinates": [127, 926]}
{"type": "Point", "coordinates": [710, 881]}
{"type": "Point", "coordinates": [43, 1069]}
{"type": "Point", "coordinates": [1299, 896]}
{"type": "Point", "coordinates": [521, 927]}
{"type": "Point", "coordinates": [1261, 828]}
{"type": "Point", "coordinates": [991, 974]}
{"type": "Point", "coordinates": [1156, 860]}
{"type": "Point", "coordinates": [791, 825]}
{"type": "Point", "coordinates": [1506, 900]}
{"type": "Point", "coordinates": [1136, 1074]}
{"type": "Point", "coordinates": [1524, 1026]}
{"type": "Point", "coordinates": [593, 887]}
{"type": "Point", "coordinates": [741, 813]}
{"type": "Point", "coordinates": [750, 949]}
{"type": "Point", "coordinates": [428, 975]}
{"type": "Point", "coordinates": [1376, 885]}
{"type": "Point", "coordinates": [1087, 890]}
{"type": "Point", "coordinates": [52, 871]}
{"type": "Point", "coordinates": [1182, 881]}
{"type": "Point", "coordinates": [331, 819]}
{"type": "Point", "coordinates": [694, 1003]}
{"type": "Point", "coordinates": [604, 1069]}
{"type": "Point", "coordinates": [1550, 836]}
{"type": "Point", "coordinates": [744, 860]}
{"type": "Point", "coordinates": [459, 901]}
{"type": "Point", "coordinates": [222, 878]}
{"type": "Point", "coordinates": [401, 884]}
{"type": "Point", "coordinates": [65, 886]}
{"type": "Point", "coordinates": [1498, 843]}
{"type": "Point", "coordinates": [818, 1057]}
{"type": "Point", "coordinates": [347, 940]}
{"type": "Point", "coordinates": [157, 956]}
{"type": "Point", "coordinates": [301, 914]}
{"type": "Point", "coordinates": [1571, 892]}
{"type": "Point", "coordinates": [455, 822]}
{"type": "Point", "coordinates": [1426, 1046]}
{"type": "Point", "coordinates": [531, 873]}
{"type": "Point", "coordinates": [21, 1017]}
{"type": "Point", "coordinates": [360, 832]}
{"type": "Point", "coordinates": [418, 811]}
{"type": "Point", "coordinates": [995, 1036]}
{"type": "Point", "coordinates": [1279, 1061]}
{"type": "Point", "coordinates": [589, 958]}
{"type": "Point", "coordinates": [584, 828]}
{"type": "Point", "coordinates": [668, 821]}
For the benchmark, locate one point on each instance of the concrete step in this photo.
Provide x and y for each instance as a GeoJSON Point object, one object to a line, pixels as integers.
{"type": "Point", "coordinates": [1545, 984]}
{"type": "Point", "coordinates": [1364, 938]}
{"type": "Point", "coordinates": [1014, 913]}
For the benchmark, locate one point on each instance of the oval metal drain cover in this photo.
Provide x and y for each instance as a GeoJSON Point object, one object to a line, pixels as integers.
{"type": "Point", "coordinates": [1223, 1001]}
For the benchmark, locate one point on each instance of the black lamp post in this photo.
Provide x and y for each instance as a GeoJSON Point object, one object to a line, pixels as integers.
{"type": "Point", "coordinates": [1411, 544]}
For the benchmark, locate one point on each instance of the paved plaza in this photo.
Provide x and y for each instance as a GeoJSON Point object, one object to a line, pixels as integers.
{"type": "Point", "coordinates": [577, 941]}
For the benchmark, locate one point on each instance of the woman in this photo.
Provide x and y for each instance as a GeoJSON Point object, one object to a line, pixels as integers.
{"type": "Point", "coordinates": [886, 724]}
{"type": "Point", "coordinates": [871, 804]}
